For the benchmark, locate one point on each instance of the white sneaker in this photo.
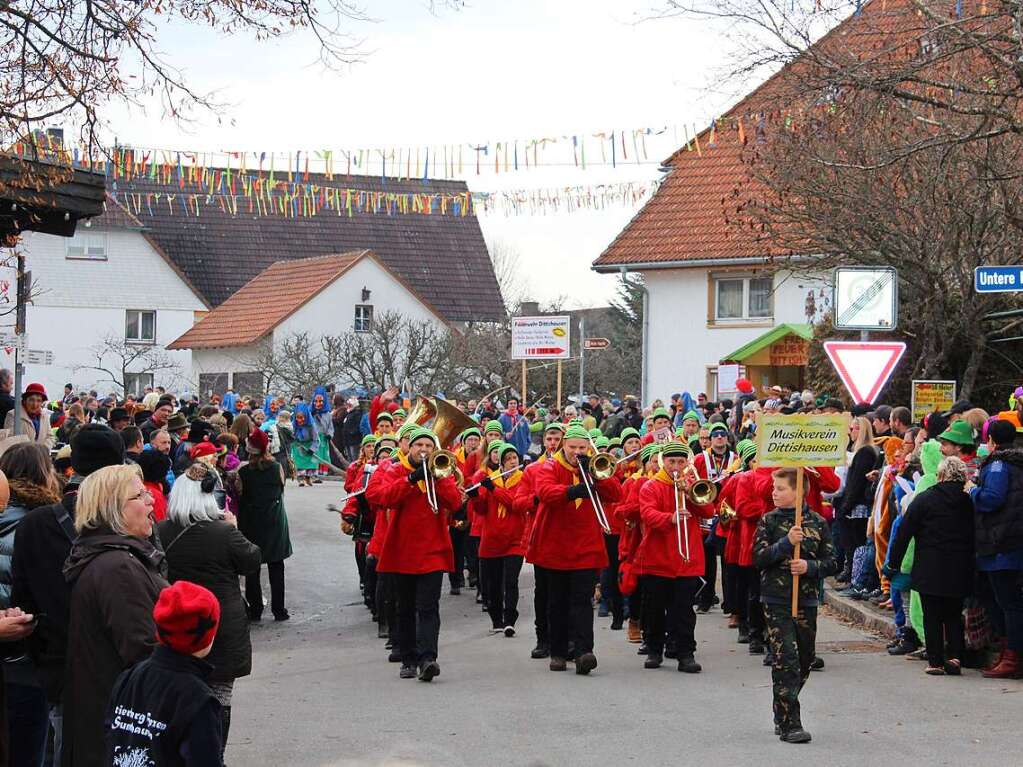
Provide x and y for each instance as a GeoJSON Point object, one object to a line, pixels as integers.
{"type": "Point", "coordinates": [495, 631]}
{"type": "Point", "coordinates": [509, 631]}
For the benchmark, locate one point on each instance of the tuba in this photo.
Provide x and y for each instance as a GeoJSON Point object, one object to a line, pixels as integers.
{"type": "Point", "coordinates": [448, 420]}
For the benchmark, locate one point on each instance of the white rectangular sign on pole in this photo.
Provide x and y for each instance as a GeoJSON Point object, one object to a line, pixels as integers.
{"type": "Point", "coordinates": [541, 338]}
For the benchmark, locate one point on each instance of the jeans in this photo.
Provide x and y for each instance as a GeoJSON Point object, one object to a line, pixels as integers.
{"type": "Point", "coordinates": [669, 607]}
{"type": "Point", "coordinates": [502, 574]}
{"type": "Point", "coordinates": [56, 714]}
{"type": "Point", "coordinates": [28, 722]}
{"type": "Point", "coordinates": [254, 590]}
{"type": "Point", "coordinates": [1009, 595]}
{"type": "Point", "coordinates": [569, 611]}
{"type": "Point", "coordinates": [943, 624]}
{"type": "Point", "coordinates": [418, 616]}
{"type": "Point", "coordinates": [609, 579]}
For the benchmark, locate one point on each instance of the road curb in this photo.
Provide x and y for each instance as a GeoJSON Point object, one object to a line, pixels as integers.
{"type": "Point", "coordinates": [859, 612]}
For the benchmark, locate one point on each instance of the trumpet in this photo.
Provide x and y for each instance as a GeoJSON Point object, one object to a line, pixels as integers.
{"type": "Point", "coordinates": [440, 465]}
{"type": "Point", "coordinates": [726, 514]}
{"type": "Point", "coordinates": [680, 515]}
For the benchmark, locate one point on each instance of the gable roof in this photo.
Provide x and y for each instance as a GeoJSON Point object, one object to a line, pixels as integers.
{"type": "Point", "coordinates": [692, 218]}
{"type": "Point", "coordinates": [271, 297]}
{"type": "Point", "coordinates": [443, 256]}
{"type": "Point", "coordinates": [800, 329]}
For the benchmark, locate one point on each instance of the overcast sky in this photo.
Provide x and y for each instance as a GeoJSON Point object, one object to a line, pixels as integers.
{"type": "Point", "coordinates": [494, 70]}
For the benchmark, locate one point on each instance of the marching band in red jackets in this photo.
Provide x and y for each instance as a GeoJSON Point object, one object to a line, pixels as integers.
{"type": "Point", "coordinates": [566, 535]}
{"type": "Point", "coordinates": [417, 539]}
{"type": "Point", "coordinates": [503, 511]}
{"type": "Point", "coordinates": [658, 551]}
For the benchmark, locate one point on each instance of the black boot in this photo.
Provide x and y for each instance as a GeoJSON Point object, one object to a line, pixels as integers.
{"type": "Point", "coordinates": [743, 633]}
{"type": "Point", "coordinates": [542, 650]}
{"type": "Point", "coordinates": [653, 660]}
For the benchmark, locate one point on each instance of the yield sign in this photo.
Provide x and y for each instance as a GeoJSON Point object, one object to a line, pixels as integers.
{"type": "Point", "coordinates": [864, 366]}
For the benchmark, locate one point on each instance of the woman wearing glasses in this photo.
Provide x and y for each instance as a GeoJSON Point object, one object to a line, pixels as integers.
{"type": "Point", "coordinates": [114, 573]}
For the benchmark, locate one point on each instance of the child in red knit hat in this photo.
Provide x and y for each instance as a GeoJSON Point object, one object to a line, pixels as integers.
{"type": "Point", "coordinates": [161, 710]}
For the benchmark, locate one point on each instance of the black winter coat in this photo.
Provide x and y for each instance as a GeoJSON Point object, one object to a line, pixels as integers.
{"type": "Point", "coordinates": [38, 586]}
{"type": "Point", "coordinates": [115, 582]}
{"type": "Point", "coordinates": [213, 555]}
{"type": "Point", "coordinates": [941, 520]}
{"type": "Point", "coordinates": [858, 489]}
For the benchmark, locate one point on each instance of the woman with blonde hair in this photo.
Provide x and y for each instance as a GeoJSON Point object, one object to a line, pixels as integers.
{"type": "Point", "coordinates": [854, 510]}
{"type": "Point", "coordinates": [115, 579]}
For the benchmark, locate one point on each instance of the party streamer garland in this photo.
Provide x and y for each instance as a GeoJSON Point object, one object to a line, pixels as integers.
{"type": "Point", "coordinates": [306, 200]}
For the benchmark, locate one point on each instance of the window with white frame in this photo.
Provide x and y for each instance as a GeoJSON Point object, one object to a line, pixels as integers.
{"type": "Point", "coordinates": [87, 246]}
{"type": "Point", "coordinates": [363, 318]}
{"type": "Point", "coordinates": [739, 298]}
{"type": "Point", "coordinates": [136, 383]}
{"type": "Point", "coordinates": [140, 326]}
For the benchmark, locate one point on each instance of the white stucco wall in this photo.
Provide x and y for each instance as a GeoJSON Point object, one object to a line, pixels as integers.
{"type": "Point", "coordinates": [79, 302]}
{"type": "Point", "coordinates": [332, 311]}
{"type": "Point", "coordinates": [682, 344]}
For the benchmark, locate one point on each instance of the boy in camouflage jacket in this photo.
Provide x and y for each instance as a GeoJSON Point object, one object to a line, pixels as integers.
{"type": "Point", "coordinates": [792, 639]}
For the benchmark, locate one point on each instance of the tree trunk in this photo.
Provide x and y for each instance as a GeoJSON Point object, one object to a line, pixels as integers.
{"type": "Point", "coordinates": [973, 363]}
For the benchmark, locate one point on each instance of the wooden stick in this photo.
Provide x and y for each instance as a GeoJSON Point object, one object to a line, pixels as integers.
{"type": "Point", "coordinates": [559, 387]}
{"type": "Point", "coordinates": [524, 395]}
{"type": "Point", "coordinates": [795, 551]}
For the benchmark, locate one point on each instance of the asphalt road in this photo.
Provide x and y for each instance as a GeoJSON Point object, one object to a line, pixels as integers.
{"type": "Point", "coordinates": [322, 692]}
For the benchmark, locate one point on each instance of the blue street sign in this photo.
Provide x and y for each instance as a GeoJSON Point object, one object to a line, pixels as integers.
{"type": "Point", "coordinates": [998, 279]}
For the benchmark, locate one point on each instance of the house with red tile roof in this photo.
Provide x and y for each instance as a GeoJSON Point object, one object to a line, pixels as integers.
{"type": "Point", "coordinates": [323, 295]}
{"type": "Point", "coordinates": [716, 291]}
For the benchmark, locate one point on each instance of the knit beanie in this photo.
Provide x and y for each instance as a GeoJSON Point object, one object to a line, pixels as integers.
{"type": "Point", "coordinates": [407, 428]}
{"type": "Point", "coordinates": [718, 427]}
{"type": "Point", "coordinates": [629, 433]}
{"type": "Point", "coordinates": [595, 433]}
{"type": "Point", "coordinates": [555, 427]}
{"type": "Point", "coordinates": [576, 431]}
{"type": "Point", "coordinates": [691, 416]}
{"type": "Point", "coordinates": [369, 439]}
{"type": "Point", "coordinates": [649, 450]}
{"type": "Point", "coordinates": [676, 448]}
{"type": "Point", "coordinates": [95, 446]}
{"type": "Point", "coordinates": [661, 412]}
{"type": "Point", "coordinates": [186, 616]}
{"type": "Point", "coordinates": [419, 432]}
{"type": "Point", "coordinates": [506, 448]}
{"type": "Point", "coordinates": [493, 425]}
{"type": "Point", "coordinates": [472, 431]}
{"type": "Point", "coordinates": [601, 441]}
{"type": "Point", "coordinates": [746, 449]}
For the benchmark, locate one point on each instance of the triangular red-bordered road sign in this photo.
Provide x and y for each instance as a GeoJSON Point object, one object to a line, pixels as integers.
{"type": "Point", "coordinates": [864, 366]}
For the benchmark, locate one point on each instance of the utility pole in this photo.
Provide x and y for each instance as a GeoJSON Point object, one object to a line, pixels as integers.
{"type": "Point", "coordinates": [22, 291]}
{"type": "Point", "coordinates": [582, 357]}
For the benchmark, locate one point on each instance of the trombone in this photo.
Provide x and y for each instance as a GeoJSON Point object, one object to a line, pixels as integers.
{"type": "Point", "coordinates": [601, 466]}
{"type": "Point", "coordinates": [680, 515]}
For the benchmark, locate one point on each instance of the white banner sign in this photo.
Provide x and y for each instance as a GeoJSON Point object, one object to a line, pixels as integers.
{"type": "Point", "coordinates": [541, 338]}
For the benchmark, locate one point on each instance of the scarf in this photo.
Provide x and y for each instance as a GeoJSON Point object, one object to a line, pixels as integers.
{"type": "Point", "coordinates": [404, 461]}
{"type": "Point", "coordinates": [560, 458]}
{"type": "Point", "coordinates": [507, 483]}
